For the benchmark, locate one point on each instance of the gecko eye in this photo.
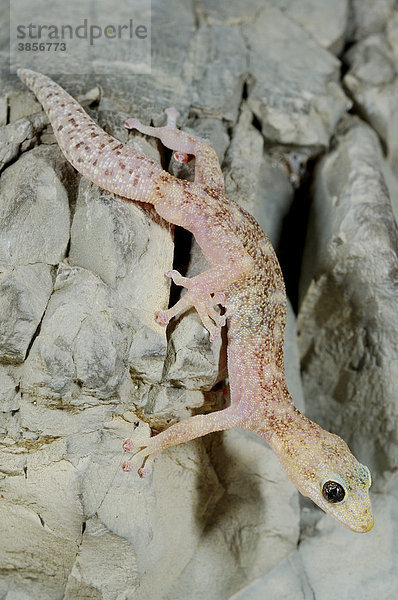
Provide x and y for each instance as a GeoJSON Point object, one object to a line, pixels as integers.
{"type": "Point", "coordinates": [333, 492]}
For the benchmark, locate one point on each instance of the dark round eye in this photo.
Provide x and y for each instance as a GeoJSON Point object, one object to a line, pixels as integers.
{"type": "Point", "coordinates": [333, 492]}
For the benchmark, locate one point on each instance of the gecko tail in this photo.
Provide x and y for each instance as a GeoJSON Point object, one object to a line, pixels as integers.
{"type": "Point", "coordinates": [100, 157]}
{"type": "Point", "coordinates": [28, 77]}
{"type": "Point", "coordinates": [37, 83]}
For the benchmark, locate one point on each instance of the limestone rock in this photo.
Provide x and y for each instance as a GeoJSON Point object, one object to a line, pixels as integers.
{"type": "Point", "coordinates": [130, 249]}
{"type": "Point", "coordinates": [369, 16]}
{"type": "Point", "coordinates": [93, 574]}
{"type": "Point", "coordinates": [9, 404]}
{"type": "Point", "coordinates": [3, 110]}
{"type": "Point", "coordinates": [82, 350]}
{"type": "Point", "coordinates": [192, 360]}
{"type": "Point", "coordinates": [161, 517]}
{"type": "Point", "coordinates": [364, 572]}
{"type": "Point", "coordinates": [326, 21]}
{"type": "Point", "coordinates": [373, 83]}
{"type": "Point", "coordinates": [163, 404]}
{"type": "Point", "coordinates": [264, 190]}
{"type": "Point", "coordinates": [296, 94]}
{"type": "Point", "coordinates": [40, 505]}
{"type": "Point", "coordinates": [293, 82]}
{"type": "Point", "coordinates": [348, 322]}
{"type": "Point", "coordinates": [34, 211]}
{"type": "Point", "coordinates": [220, 71]}
{"type": "Point", "coordinates": [24, 294]}
{"type": "Point", "coordinates": [19, 136]}
{"type": "Point", "coordinates": [259, 510]}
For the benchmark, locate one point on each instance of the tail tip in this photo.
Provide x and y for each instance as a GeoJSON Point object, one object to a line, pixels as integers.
{"type": "Point", "coordinates": [23, 74]}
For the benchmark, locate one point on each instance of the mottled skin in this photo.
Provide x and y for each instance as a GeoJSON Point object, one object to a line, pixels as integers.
{"type": "Point", "coordinates": [244, 276]}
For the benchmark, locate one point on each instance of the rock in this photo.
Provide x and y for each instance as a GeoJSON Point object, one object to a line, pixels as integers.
{"type": "Point", "coordinates": [93, 573]}
{"type": "Point", "coordinates": [296, 94]}
{"type": "Point", "coordinates": [373, 83]}
{"type": "Point", "coordinates": [24, 105]}
{"type": "Point", "coordinates": [3, 110]}
{"type": "Point", "coordinates": [295, 104]}
{"type": "Point", "coordinates": [259, 509]}
{"type": "Point", "coordinates": [130, 249]}
{"type": "Point", "coordinates": [40, 505]}
{"type": "Point", "coordinates": [19, 136]}
{"type": "Point", "coordinates": [192, 361]}
{"type": "Point", "coordinates": [366, 572]}
{"type": "Point", "coordinates": [162, 517]}
{"type": "Point", "coordinates": [348, 326]}
{"type": "Point", "coordinates": [170, 80]}
{"type": "Point", "coordinates": [264, 190]}
{"type": "Point", "coordinates": [35, 216]}
{"type": "Point", "coordinates": [220, 71]}
{"type": "Point", "coordinates": [24, 294]}
{"type": "Point", "coordinates": [9, 404]}
{"type": "Point", "coordinates": [325, 21]}
{"type": "Point", "coordinates": [81, 354]}
{"type": "Point", "coordinates": [368, 17]}
{"type": "Point", "coordinates": [161, 404]}
{"type": "Point", "coordinates": [287, 581]}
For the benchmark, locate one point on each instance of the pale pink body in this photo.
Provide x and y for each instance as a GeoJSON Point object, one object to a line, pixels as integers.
{"type": "Point", "coordinates": [244, 276]}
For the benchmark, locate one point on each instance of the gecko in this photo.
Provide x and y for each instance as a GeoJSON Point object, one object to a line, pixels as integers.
{"type": "Point", "coordinates": [244, 277]}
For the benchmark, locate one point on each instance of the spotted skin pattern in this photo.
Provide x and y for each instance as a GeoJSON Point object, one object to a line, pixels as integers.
{"type": "Point", "coordinates": [244, 276]}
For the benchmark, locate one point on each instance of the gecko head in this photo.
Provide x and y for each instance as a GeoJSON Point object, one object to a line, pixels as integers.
{"type": "Point", "coordinates": [323, 468]}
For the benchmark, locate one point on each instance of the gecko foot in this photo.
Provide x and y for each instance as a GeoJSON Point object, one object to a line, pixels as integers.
{"type": "Point", "coordinates": [173, 138]}
{"type": "Point", "coordinates": [146, 465]}
{"type": "Point", "coordinates": [202, 300]}
{"type": "Point", "coordinates": [181, 157]}
{"type": "Point", "coordinates": [129, 445]}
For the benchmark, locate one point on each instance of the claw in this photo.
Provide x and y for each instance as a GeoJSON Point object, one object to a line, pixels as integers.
{"type": "Point", "coordinates": [162, 318]}
{"type": "Point", "coordinates": [172, 115]}
{"type": "Point", "coordinates": [181, 157]}
{"type": "Point", "coordinates": [131, 123]}
{"type": "Point", "coordinates": [215, 334]}
{"type": "Point", "coordinates": [219, 298]}
{"type": "Point", "coordinates": [144, 471]}
{"type": "Point", "coordinates": [177, 278]}
{"type": "Point", "coordinates": [127, 466]}
{"type": "Point", "coordinates": [128, 445]}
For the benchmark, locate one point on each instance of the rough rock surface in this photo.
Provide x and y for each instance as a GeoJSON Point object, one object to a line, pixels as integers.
{"type": "Point", "coordinates": [296, 94]}
{"type": "Point", "coordinates": [372, 80]}
{"type": "Point", "coordinates": [369, 16]}
{"type": "Point", "coordinates": [348, 320]}
{"type": "Point", "coordinates": [322, 565]}
{"type": "Point", "coordinates": [83, 365]}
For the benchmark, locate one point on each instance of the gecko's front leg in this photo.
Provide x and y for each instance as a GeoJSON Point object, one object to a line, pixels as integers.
{"type": "Point", "coordinates": [207, 167]}
{"type": "Point", "coordinates": [163, 133]}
